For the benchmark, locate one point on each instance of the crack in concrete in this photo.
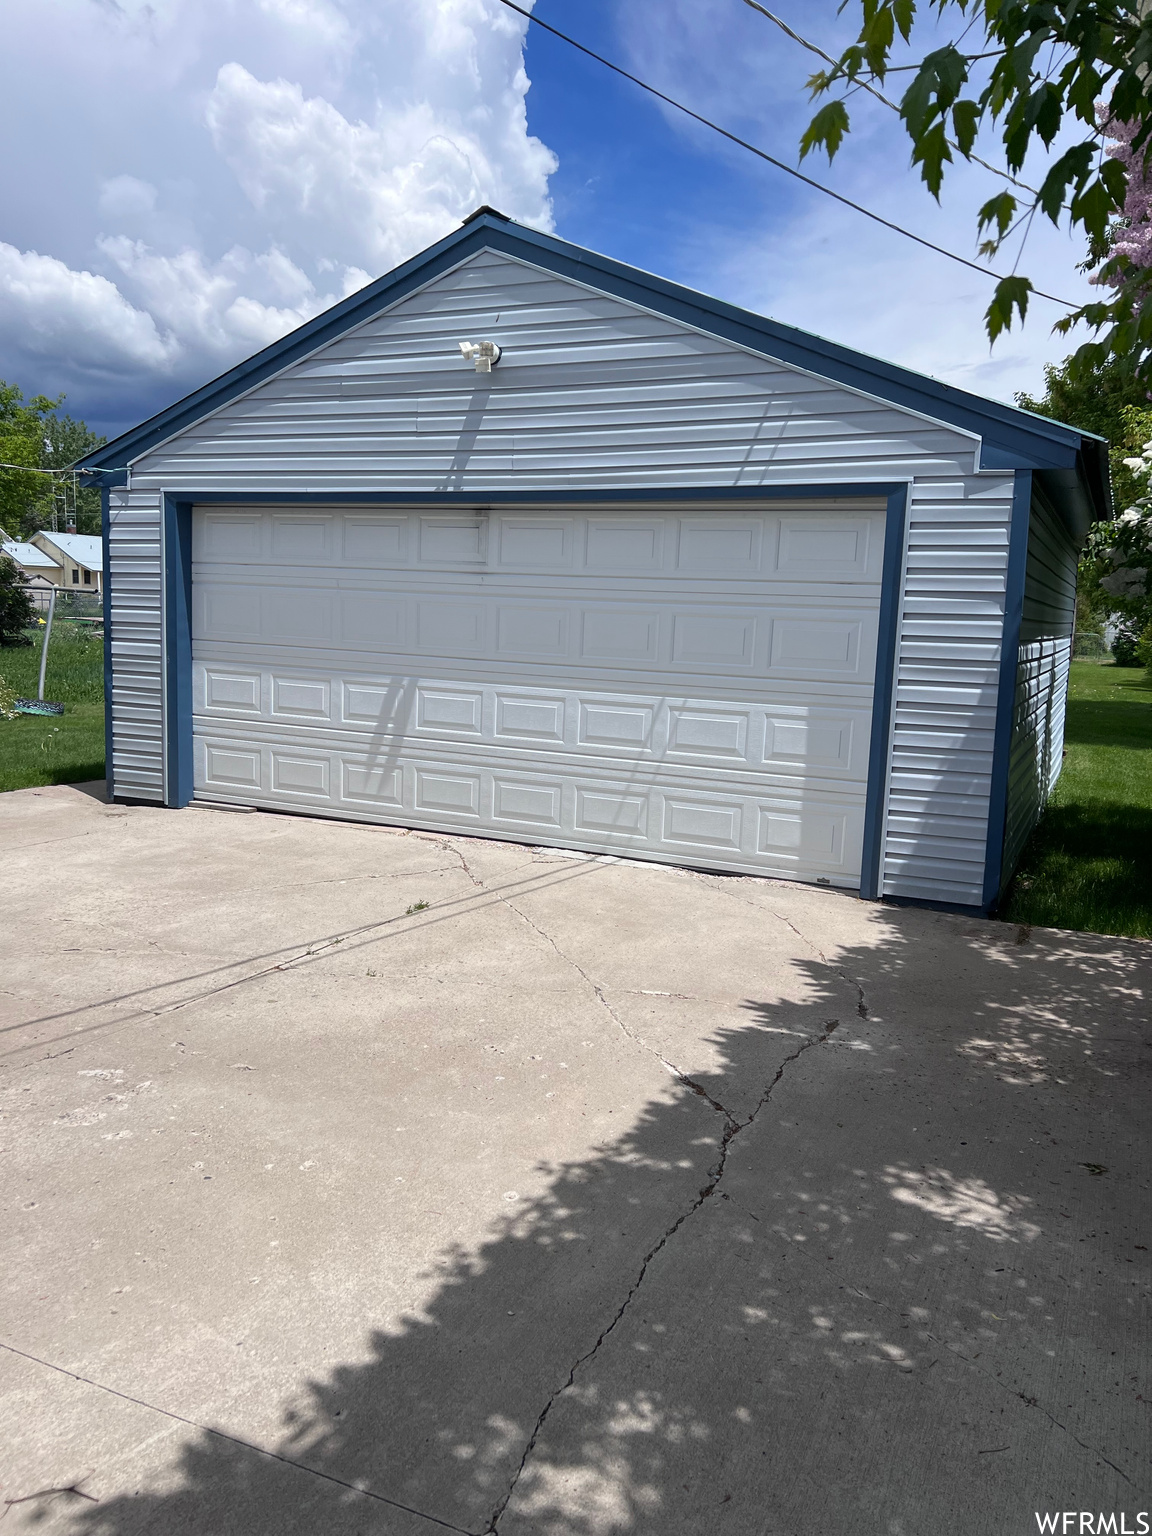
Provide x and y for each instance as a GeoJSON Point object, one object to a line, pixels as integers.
{"type": "Point", "coordinates": [953, 1349]}
{"type": "Point", "coordinates": [306, 885]}
{"type": "Point", "coordinates": [683, 997]}
{"type": "Point", "coordinates": [358, 938]}
{"type": "Point", "coordinates": [1030, 1402]}
{"type": "Point", "coordinates": [598, 993]}
{"type": "Point", "coordinates": [35, 1062]}
{"type": "Point", "coordinates": [732, 1129]}
{"type": "Point", "coordinates": [464, 865]}
{"type": "Point", "coordinates": [850, 981]}
{"type": "Point", "coordinates": [47, 842]}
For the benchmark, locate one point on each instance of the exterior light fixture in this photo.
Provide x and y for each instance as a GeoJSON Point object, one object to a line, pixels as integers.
{"type": "Point", "coordinates": [484, 354]}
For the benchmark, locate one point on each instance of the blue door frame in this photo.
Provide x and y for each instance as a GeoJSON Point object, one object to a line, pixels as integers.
{"type": "Point", "coordinates": [178, 749]}
{"type": "Point", "coordinates": [106, 608]}
{"type": "Point", "coordinates": [178, 744]}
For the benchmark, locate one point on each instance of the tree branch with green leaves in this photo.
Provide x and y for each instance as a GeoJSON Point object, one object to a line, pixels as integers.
{"type": "Point", "coordinates": [1037, 70]}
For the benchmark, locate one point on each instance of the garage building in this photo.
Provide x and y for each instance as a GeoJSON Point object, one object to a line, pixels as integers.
{"type": "Point", "coordinates": [666, 579]}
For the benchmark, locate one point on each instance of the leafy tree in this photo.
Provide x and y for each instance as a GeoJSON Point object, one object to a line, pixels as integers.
{"type": "Point", "coordinates": [1030, 72]}
{"type": "Point", "coordinates": [1109, 400]}
{"type": "Point", "coordinates": [16, 609]}
{"type": "Point", "coordinates": [65, 441]}
{"type": "Point", "coordinates": [1098, 398]}
{"type": "Point", "coordinates": [21, 443]}
{"type": "Point", "coordinates": [1118, 554]}
{"type": "Point", "coordinates": [1094, 400]}
{"type": "Point", "coordinates": [33, 435]}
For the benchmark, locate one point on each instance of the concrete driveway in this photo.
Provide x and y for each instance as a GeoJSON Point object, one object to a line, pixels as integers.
{"type": "Point", "coordinates": [362, 1181]}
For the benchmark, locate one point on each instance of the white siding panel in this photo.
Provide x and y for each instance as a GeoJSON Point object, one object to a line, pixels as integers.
{"type": "Point", "coordinates": [136, 705]}
{"type": "Point", "coordinates": [946, 681]}
{"type": "Point", "coordinates": [595, 394]}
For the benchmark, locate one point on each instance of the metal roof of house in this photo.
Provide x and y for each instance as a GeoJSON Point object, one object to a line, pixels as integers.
{"type": "Point", "coordinates": [85, 549]}
{"type": "Point", "coordinates": [28, 555]}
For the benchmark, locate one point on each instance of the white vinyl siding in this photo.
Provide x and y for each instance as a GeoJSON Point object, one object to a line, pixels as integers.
{"type": "Point", "coordinates": [593, 393]}
{"type": "Point", "coordinates": [134, 543]}
{"type": "Point", "coordinates": [946, 682]}
{"type": "Point", "coordinates": [1041, 676]}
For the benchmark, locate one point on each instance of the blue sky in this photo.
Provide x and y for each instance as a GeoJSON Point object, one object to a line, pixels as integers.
{"type": "Point", "coordinates": [645, 184]}
{"type": "Point", "coordinates": [200, 176]}
{"type": "Point", "coordinates": [638, 181]}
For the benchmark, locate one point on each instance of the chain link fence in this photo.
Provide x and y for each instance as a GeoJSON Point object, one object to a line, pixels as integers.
{"type": "Point", "coordinates": [84, 609]}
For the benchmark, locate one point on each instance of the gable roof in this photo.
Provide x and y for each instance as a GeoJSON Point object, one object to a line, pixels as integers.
{"type": "Point", "coordinates": [1076, 462]}
{"type": "Point", "coordinates": [28, 555]}
{"type": "Point", "coordinates": [84, 548]}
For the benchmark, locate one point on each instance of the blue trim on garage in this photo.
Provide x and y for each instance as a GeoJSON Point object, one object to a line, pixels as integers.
{"type": "Point", "coordinates": [106, 595]}
{"type": "Point", "coordinates": [883, 696]}
{"type": "Point", "coordinates": [1006, 687]}
{"type": "Point", "coordinates": [1011, 436]}
{"type": "Point", "coordinates": [178, 759]}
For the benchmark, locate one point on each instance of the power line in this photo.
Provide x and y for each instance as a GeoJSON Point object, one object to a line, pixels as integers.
{"type": "Point", "coordinates": [866, 85]}
{"type": "Point", "coordinates": [33, 470]}
{"type": "Point", "coordinates": [771, 159]}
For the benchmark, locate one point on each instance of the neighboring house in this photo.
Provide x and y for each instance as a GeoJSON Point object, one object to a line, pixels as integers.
{"type": "Point", "coordinates": [670, 580]}
{"type": "Point", "coordinates": [37, 564]}
{"type": "Point", "coordinates": [80, 557]}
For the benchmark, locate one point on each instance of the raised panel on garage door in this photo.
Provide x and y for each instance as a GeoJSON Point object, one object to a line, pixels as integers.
{"type": "Point", "coordinates": [687, 684]}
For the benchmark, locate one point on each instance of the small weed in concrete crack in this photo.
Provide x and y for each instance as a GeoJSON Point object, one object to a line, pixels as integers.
{"type": "Point", "coordinates": [417, 906]}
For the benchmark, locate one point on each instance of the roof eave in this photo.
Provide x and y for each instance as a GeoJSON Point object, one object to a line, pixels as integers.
{"type": "Point", "coordinates": [1082, 493]}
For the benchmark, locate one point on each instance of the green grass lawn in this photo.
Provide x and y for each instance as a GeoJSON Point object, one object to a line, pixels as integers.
{"type": "Point", "coordinates": [69, 748]}
{"type": "Point", "coordinates": [1088, 864]}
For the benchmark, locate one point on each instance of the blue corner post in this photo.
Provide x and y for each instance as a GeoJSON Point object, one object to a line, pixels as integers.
{"type": "Point", "coordinates": [178, 760]}
{"type": "Point", "coordinates": [883, 696]}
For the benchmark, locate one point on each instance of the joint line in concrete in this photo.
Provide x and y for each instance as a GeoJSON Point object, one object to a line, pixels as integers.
{"type": "Point", "coordinates": [248, 1445]}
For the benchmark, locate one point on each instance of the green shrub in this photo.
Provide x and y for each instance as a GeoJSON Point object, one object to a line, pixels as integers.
{"type": "Point", "coordinates": [16, 609]}
{"type": "Point", "coordinates": [1124, 645]}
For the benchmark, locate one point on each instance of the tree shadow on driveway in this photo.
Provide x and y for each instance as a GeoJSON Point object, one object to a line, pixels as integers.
{"type": "Point", "coordinates": [893, 1296]}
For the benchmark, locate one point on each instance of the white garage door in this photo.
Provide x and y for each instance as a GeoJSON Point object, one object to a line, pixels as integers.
{"type": "Point", "coordinates": [686, 683]}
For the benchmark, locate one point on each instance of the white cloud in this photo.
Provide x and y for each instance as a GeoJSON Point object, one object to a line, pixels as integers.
{"type": "Point", "coordinates": [226, 308]}
{"type": "Point", "coordinates": [320, 23]}
{"type": "Point", "coordinates": [380, 190]}
{"type": "Point", "coordinates": [51, 308]}
{"type": "Point", "coordinates": [127, 197]}
{"type": "Point", "coordinates": [232, 171]}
